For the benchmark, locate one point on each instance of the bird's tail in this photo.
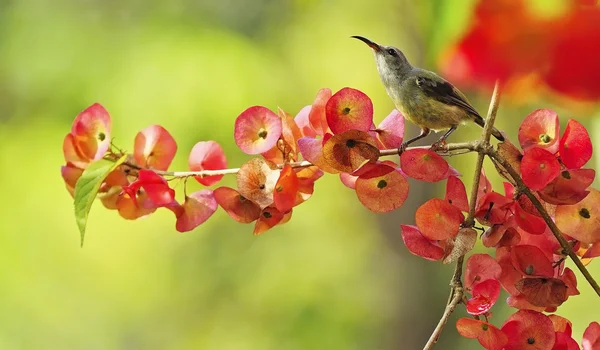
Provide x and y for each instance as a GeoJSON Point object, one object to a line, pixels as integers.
{"type": "Point", "coordinates": [479, 120]}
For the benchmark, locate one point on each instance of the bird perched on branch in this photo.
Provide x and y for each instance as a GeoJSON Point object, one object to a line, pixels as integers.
{"type": "Point", "coordinates": [423, 97]}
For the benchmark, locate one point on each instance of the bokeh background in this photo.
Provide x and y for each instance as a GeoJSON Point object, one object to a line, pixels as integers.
{"type": "Point", "coordinates": [335, 277]}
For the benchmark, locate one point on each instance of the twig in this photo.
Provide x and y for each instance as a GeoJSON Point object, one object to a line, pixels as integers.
{"type": "Point", "coordinates": [521, 187]}
{"type": "Point", "coordinates": [460, 146]}
{"type": "Point", "coordinates": [456, 286]}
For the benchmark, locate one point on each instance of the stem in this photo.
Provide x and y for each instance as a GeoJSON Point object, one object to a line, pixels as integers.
{"type": "Point", "coordinates": [551, 224]}
{"type": "Point", "coordinates": [460, 146]}
{"type": "Point", "coordinates": [456, 286]}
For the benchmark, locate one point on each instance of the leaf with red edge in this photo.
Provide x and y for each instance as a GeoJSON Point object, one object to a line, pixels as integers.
{"type": "Point", "coordinates": [528, 222]}
{"type": "Point", "coordinates": [568, 188]}
{"type": "Point", "coordinates": [382, 189]}
{"type": "Point", "coordinates": [531, 261]}
{"type": "Point", "coordinates": [207, 155]}
{"type": "Point", "coordinates": [575, 145]}
{"type": "Point", "coordinates": [312, 151]}
{"type": "Point", "coordinates": [257, 130]}
{"type": "Point", "coordinates": [154, 148]}
{"type": "Point", "coordinates": [456, 194]}
{"type": "Point", "coordinates": [591, 337]}
{"type": "Point", "coordinates": [540, 129]}
{"type": "Point", "coordinates": [542, 291]}
{"type": "Point", "coordinates": [256, 181]}
{"type": "Point", "coordinates": [438, 220]}
{"type": "Point", "coordinates": [349, 109]}
{"type": "Point", "coordinates": [317, 116]}
{"type": "Point", "coordinates": [197, 208]}
{"type": "Point", "coordinates": [528, 329]}
{"type": "Point", "coordinates": [350, 150]}
{"type": "Point", "coordinates": [286, 189]}
{"type": "Point", "coordinates": [91, 131]}
{"type": "Point", "coordinates": [539, 168]}
{"type": "Point", "coordinates": [480, 267]}
{"type": "Point", "coordinates": [484, 297]}
{"type": "Point", "coordinates": [418, 245]}
{"type": "Point", "coordinates": [423, 164]}
{"type": "Point", "coordinates": [490, 337]}
{"type": "Point", "coordinates": [390, 131]}
{"type": "Point", "coordinates": [269, 217]}
{"type": "Point", "coordinates": [582, 220]}
{"type": "Point", "coordinates": [238, 207]}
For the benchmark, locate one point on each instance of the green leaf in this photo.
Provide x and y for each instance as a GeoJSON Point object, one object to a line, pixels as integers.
{"type": "Point", "coordinates": [87, 188]}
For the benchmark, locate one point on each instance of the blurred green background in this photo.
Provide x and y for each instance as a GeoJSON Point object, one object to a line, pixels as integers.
{"type": "Point", "coordinates": [335, 277]}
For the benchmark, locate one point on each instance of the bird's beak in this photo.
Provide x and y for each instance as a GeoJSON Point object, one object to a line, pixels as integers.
{"type": "Point", "coordinates": [371, 44]}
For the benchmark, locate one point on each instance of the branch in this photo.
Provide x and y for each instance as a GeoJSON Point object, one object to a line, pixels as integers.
{"type": "Point", "coordinates": [456, 286]}
{"type": "Point", "coordinates": [521, 187]}
{"type": "Point", "coordinates": [443, 151]}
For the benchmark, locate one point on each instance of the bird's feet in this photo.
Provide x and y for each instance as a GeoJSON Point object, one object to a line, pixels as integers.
{"type": "Point", "coordinates": [402, 148]}
{"type": "Point", "coordinates": [439, 146]}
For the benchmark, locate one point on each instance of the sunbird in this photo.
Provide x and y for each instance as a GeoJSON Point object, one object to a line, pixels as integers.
{"type": "Point", "coordinates": [423, 97]}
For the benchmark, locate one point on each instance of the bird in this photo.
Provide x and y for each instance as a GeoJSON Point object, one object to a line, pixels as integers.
{"type": "Point", "coordinates": [422, 96]}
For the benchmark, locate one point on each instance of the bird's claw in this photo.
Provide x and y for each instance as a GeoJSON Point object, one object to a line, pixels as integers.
{"type": "Point", "coordinates": [439, 146]}
{"type": "Point", "coordinates": [402, 148]}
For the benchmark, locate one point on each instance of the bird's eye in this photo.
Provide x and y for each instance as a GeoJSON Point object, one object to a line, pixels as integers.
{"type": "Point", "coordinates": [391, 52]}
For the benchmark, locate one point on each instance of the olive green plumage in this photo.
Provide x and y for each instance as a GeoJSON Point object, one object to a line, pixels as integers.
{"type": "Point", "coordinates": [423, 97]}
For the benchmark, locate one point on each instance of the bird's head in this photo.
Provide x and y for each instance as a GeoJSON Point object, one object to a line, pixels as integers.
{"type": "Point", "coordinates": [391, 62]}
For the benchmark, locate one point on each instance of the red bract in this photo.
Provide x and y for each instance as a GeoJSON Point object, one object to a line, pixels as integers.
{"type": "Point", "coordinates": [493, 208]}
{"type": "Point", "coordinates": [531, 261]}
{"type": "Point", "coordinates": [256, 181]}
{"type": "Point", "coordinates": [156, 188]}
{"type": "Point", "coordinates": [542, 291]}
{"type": "Point", "coordinates": [390, 131]}
{"type": "Point", "coordinates": [317, 116]}
{"type": "Point", "coordinates": [72, 154]}
{"type": "Point", "coordinates": [195, 210]}
{"type": "Point", "coordinates": [417, 244]}
{"type": "Point", "coordinates": [490, 337]}
{"type": "Point", "coordinates": [438, 220]}
{"type": "Point", "coordinates": [237, 206]}
{"type": "Point", "coordinates": [382, 189]}
{"type": "Point", "coordinates": [530, 223]}
{"type": "Point", "coordinates": [570, 187]}
{"type": "Point", "coordinates": [575, 145]}
{"type": "Point", "coordinates": [540, 129]}
{"type": "Point", "coordinates": [290, 133]}
{"type": "Point", "coordinates": [528, 330]}
{"type": "Point", "coordinates": [70, 175]}
{"type": "Point", "coordinates": [480, 267]}
{"type": "Point", "coordinates": [286, 189]}
{"type": "Point", "coordinates": [257, 130]}
{"type": "Point", "coordinates": [582, 220]}
{"type": "Point", "coordinates": [484, 297]}
{"type": "Point", "coordinates": [456, 193]}
{"type": "Point", "coordinates": [91, 132]}
{"type": "Point", "coordinates": [268, 218]}
{"type": "Point", "coordinates": [423, 164]}
{"type": "Point", "coordinates": [154, 148]}
{"type": "Point", "coordinates": [349, 109]}
{"type": "Point", "coordinates": [591, 337]}
{"type": "Point", "coordinates": [306, 182]}
{"type": "Point", "coordinates": [539, 167]}
{"type": "Point", "coordinates": [312, 151]}
{"type": "Point", "coordinates": [132, 207]}
{"type": "Point", "coordinates": [301, 119]}
{"type": "Point", "coordinates": [207, 155]}
{"type": "Point", "coordinates": [561, 324]}
{"type": "Point", "coordinates": [350, 150]}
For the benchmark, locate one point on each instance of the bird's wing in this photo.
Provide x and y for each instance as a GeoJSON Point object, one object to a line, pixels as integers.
{"type": "Point", "coordinates": [441, 90]}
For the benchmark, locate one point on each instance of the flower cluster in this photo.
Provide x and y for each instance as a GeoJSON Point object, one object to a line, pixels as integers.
{"type": "Point", "coordinates": [336, 134]}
